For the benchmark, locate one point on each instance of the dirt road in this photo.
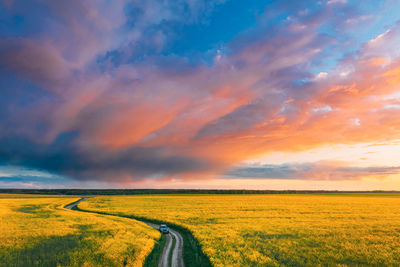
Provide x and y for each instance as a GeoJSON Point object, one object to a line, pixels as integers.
{"type": "Point", "coordinates": [177, 252]}
{"type": "Point", "coordinates": [74, 204]}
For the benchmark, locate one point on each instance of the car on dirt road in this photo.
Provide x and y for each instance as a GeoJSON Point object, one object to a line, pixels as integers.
{"type": "Point", "coordinates": [164, 229]}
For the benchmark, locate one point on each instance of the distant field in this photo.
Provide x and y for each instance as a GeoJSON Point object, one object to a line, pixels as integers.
{"type": "Point", "coordinates": [34, 196]}
{"type": "Point", "coordinates": [39, 232]}
{"type": "Point", "coordinates": [275, 230]}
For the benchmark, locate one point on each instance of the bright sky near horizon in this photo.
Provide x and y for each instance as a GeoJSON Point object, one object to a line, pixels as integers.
{"type": "Point", "coordinates": [200, 94]}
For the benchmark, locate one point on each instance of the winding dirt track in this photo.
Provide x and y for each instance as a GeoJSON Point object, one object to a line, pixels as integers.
{"type": "Point", "coordinates": [73, 205]}
{"type": "Point", "coordinates": [177, 252]}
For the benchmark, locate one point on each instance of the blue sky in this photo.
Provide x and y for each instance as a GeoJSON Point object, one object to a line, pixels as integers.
{"type": "Point", "coordinates": [195, 93]}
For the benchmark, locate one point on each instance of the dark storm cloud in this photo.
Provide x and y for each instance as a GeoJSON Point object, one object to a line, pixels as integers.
{"type": "Point", "coordinates": [66, 158]}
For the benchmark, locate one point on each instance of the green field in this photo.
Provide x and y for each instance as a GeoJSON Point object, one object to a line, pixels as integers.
{"type": "Point", "coordinates": [276, 230]}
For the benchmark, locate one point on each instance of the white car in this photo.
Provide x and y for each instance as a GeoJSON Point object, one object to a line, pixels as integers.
{"type": "Point", "coordinates": [164, 229]}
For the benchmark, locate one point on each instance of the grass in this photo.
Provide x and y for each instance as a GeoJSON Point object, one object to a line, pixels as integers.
{"type": "Point", "coordinates": [8, 195]}
{"type": "Point", "coordinates": [192, 253]}
{"type": "Point", "coordinates": [153, 258]}
{"type": "Point", "coordinates": [276, 230]}
{"type": "Point", "coordinates": [40, 232]}
{"type": "Point", "coordinates": [172, 249]}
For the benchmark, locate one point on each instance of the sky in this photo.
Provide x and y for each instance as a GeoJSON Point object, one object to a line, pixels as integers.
{"type": "Point", "coordinates": [200, 94]}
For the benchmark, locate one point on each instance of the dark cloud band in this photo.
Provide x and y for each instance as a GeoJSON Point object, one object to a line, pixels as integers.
{"type": "Point", "coordinates": [311, 171]}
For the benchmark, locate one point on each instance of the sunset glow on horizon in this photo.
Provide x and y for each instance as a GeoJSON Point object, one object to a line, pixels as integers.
{"type": "Point", "coordinates": [200, 94]}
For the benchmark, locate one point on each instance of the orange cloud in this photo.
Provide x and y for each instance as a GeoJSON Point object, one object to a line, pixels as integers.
{"type": "Point", "coordinates": [152, 120]}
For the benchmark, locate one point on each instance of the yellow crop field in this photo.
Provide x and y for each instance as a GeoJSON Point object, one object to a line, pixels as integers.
{"type": "Point", "coordinates": [40, 232]}
{"type": "Point", "coordinates": [276, 230]}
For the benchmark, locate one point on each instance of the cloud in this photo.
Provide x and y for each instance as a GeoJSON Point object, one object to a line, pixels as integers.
{"type": "Point", "coordinates": [38, 61]}
{"type": "Point", "coordinates": [332, 171]}
{"type": "Point", "coordinates": [91, 91]}
{"type": "Point", "coordinates": [65, 158]}
{"type": "Point", "coordinates": [10, 171]}
{"type": "Point", "coordinates": [331, 2]}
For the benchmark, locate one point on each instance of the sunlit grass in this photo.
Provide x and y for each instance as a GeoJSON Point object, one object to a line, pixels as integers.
{"type": "Point", "coordinates": [40, 232]}
{"type": "Point", "coordinates": [273, 230]}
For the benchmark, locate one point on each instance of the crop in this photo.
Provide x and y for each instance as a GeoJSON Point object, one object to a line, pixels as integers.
{"type": "Point", "coordinates": [40, 232]}
{"type": "Point", "coordinates": [275, 230]}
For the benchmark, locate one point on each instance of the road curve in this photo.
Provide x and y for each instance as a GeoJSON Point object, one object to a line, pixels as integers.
{"type": "Point", "coordinates": [177, 253]}
{"type": "Point", "coordinates": [164, 258]}
{"type": "Point", "coordinates": [74, 204]}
